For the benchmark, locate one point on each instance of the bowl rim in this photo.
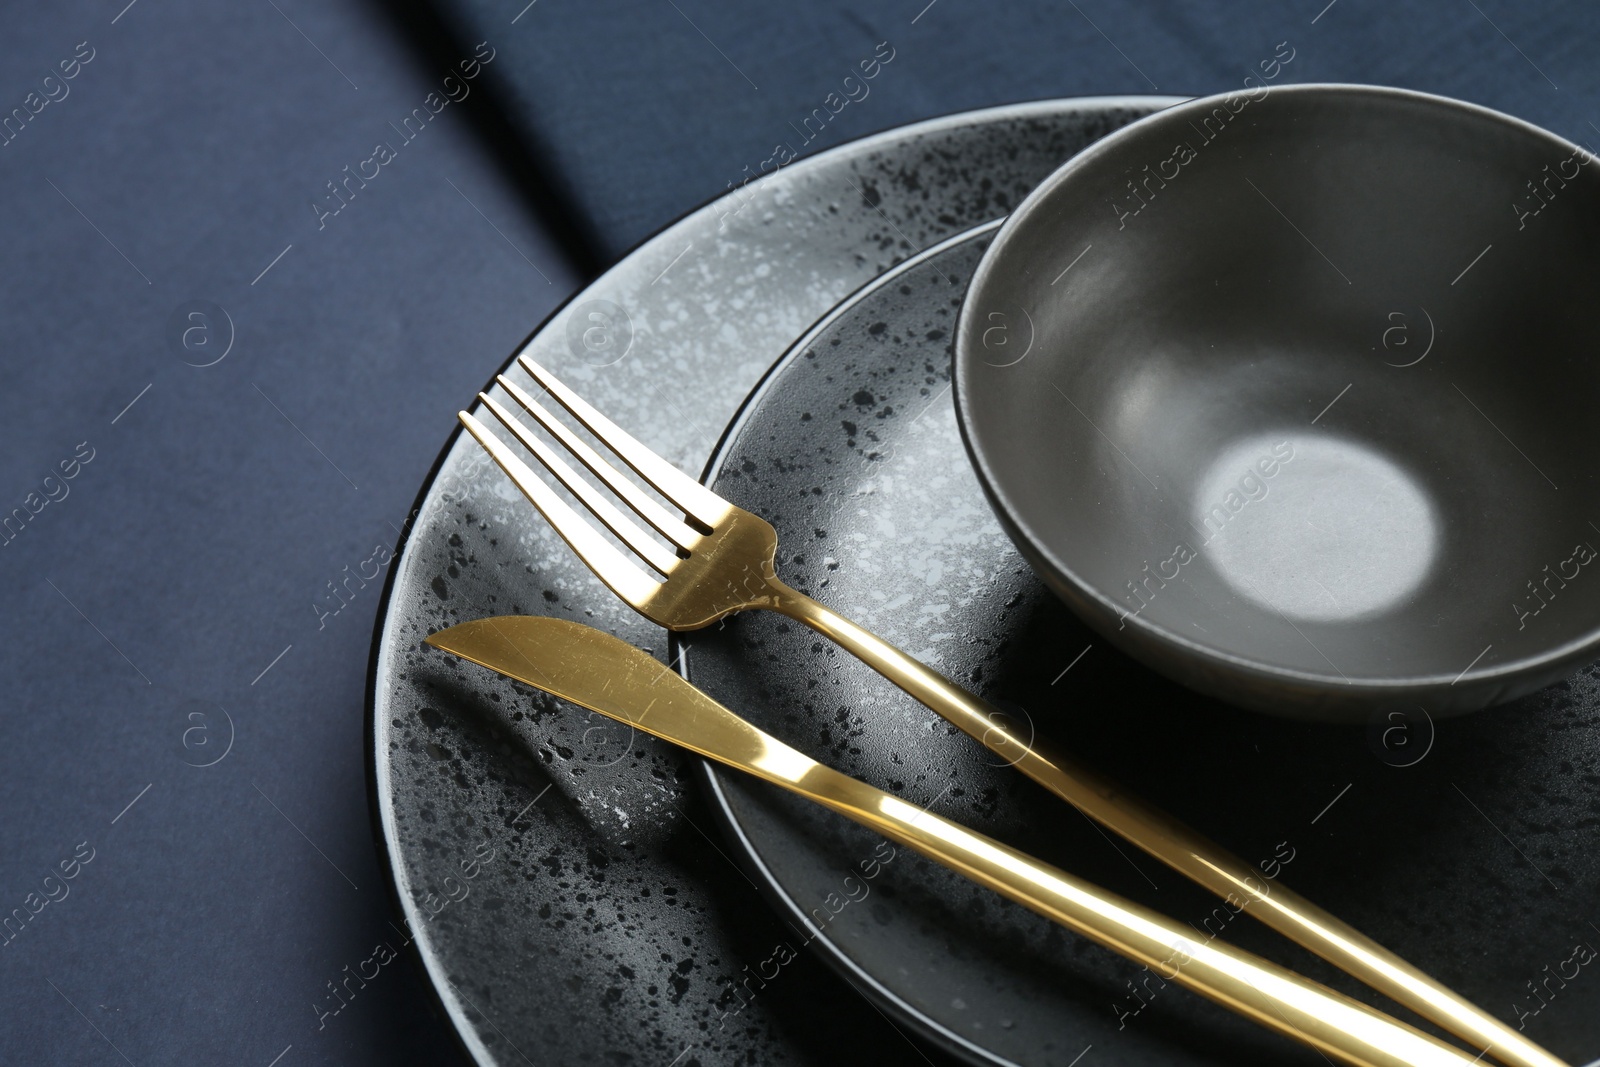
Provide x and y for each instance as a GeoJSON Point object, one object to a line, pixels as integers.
{"type": "Point", "coordinates": [1059, 572]}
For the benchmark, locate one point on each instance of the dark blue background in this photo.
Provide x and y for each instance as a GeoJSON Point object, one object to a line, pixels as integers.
{"type": "Point", "coordinates": [196, 541]}
{"type": "Point", "coordinates": [641, 110]}
{"type": "Point", "coordinates": [190, 552]}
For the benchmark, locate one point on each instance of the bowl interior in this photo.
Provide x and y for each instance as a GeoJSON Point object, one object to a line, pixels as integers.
{"type": "Point", "coordinates": [1303, 382]}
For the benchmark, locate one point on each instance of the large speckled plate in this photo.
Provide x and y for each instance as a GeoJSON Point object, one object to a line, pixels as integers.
{"type": "Point", "coordinates": [566, 886]}
{"type": "Point", "coordinates": [1471, 851]}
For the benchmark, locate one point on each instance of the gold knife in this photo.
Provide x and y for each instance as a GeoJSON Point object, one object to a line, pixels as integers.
{"type": "Point", "coordinates": [607, 675]}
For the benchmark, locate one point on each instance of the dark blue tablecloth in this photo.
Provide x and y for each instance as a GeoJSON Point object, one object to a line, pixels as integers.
{"type": "Point", "coordinates": [643, 110]}
{"type": "Point", "coordinates": [175, 575]}
{"type": "Point", "coordinates": [236, 332]}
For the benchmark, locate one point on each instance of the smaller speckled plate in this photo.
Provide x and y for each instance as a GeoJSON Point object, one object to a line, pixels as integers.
{"type": "Point", "coordinates": [850, 448]}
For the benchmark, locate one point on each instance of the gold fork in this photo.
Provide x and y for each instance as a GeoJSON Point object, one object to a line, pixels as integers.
{"type": "Point", "coordinates": [722, 561]}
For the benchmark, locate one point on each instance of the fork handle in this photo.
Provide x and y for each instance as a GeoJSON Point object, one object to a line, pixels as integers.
{"type": "Point", "coordinates": [1260, 990]}
{"type": "Point", "coordinates": [1170, 841]}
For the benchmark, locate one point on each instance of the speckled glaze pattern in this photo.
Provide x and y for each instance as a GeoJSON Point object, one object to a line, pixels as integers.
{"type": "Point", "coordinates": [566, 884]}
{"type": "Point", "coordinates": [1468, 847]}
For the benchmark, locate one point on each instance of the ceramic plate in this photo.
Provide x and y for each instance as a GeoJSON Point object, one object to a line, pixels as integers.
{"type": "Point", "coordinates": [1468, 848]}
{"type": "Point", "coordinates": [566, 886]}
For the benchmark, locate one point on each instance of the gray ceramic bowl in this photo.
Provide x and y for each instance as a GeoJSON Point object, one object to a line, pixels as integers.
{"type": "Point", "coordinates": [1290, 393]}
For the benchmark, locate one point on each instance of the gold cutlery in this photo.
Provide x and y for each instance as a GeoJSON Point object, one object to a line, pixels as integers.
{"type": "Point", "coordinates": [717, 559]}
{"type": "Point", "coordinates": [607, 675]}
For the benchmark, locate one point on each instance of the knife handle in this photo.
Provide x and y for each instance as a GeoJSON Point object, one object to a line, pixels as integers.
{"type": "Point", "coordinates": [606, 674]}
{"type": "Point", "coordinates": [1273, 996]}
{"type": "Point", "coordinates": [1170, 841]}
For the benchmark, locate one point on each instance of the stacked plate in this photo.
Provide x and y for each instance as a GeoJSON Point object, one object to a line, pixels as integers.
{"type": "Point", "coordinates": [578, 893]}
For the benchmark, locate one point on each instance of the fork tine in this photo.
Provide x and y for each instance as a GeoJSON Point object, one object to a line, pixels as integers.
{"type": "Point", "coordinates": [624, 577]}
{"type": "Point", "coordinates": [618, 523]}
{"type": "Point", "coordinates": [695, 499]}
{"type": "Point", "coordinates": [671, 526]}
